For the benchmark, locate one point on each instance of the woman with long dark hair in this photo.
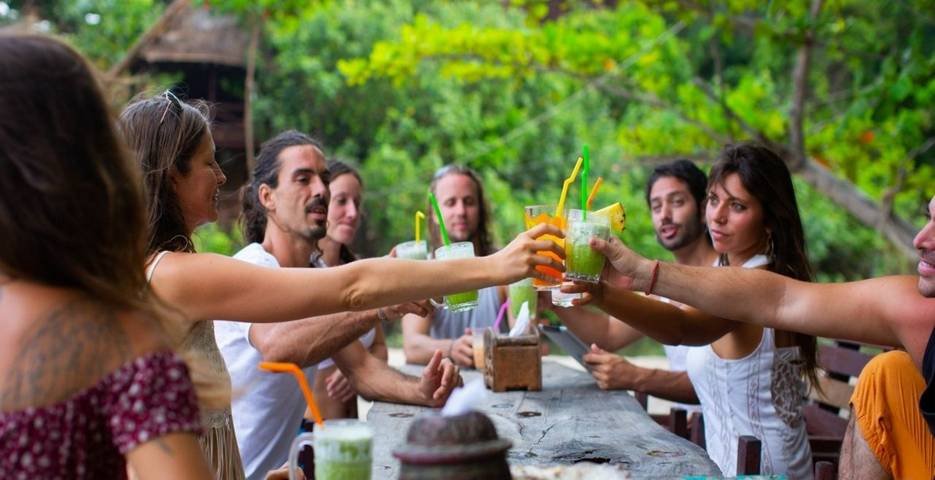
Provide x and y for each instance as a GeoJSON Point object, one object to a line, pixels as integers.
{"type": "Point", "coordinates": [750, 379]}
{"type": "Point", "coordinates": [88, 379]}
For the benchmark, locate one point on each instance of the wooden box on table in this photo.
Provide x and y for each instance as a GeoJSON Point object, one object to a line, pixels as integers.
{"type": "Point", "coordinates": [512, 363]}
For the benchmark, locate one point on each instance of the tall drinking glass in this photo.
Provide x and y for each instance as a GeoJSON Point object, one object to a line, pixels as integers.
{"type": "Point", "coordinates": [343, 450]}
{"type": "Point", "coordinates": [413, 250]}
{"type": "Point", "coordinates": [583, 263]}
{"type": "Point", "coordinates": [463, 301]}
{"type": "Point", "coordinates": [520, 292]}
{"type": "Point", "coordinates": [562, 299]}
{"type": "Point", "coordinates": [534, 215]}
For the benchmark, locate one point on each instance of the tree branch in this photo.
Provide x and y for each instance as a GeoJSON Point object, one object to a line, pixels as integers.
{"type": "Point", "coordinates": [898, 231]}
{"type": "Point", "coordinates": [249, 82]}
{"type": "Point", "coordinates": [653, 100]}
{"type": "Point", "coordinates": [800, 90]}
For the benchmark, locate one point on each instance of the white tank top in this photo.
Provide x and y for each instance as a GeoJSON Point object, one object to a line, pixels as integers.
{"type": "Point", "coordinates": [761, 395]}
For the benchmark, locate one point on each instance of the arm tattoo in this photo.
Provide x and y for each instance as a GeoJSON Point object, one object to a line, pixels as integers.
{"type": "Point", "coordinates": [71, 347]}
{"type": "Point", "coordinates": [164, 447]}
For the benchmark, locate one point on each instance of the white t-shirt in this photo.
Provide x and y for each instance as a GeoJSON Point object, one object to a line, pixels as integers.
{"type": "Point", "coordinates": [267, 407]}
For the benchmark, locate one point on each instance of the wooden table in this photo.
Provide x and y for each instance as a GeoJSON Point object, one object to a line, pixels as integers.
{"type": "Point", "coordinates": [569, 421]}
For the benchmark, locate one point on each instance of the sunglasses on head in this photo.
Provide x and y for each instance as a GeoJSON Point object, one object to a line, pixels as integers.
{"type": "Point", "coordinates": [172, 101]}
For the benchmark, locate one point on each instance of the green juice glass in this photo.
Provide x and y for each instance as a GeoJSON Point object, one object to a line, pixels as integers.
{"type": "Point", "coordinates": [343, 450]}
{"type": "Point", "coordinates": [458, 302]}
{"type": "Point", "coordinates": [523, 291]}
{"type": "Point", "coordinates": [582, 263]}
{"type": "Point", "coordinates": [413, 250]}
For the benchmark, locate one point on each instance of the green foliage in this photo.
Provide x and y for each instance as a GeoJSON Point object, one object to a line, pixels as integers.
{"type": "Point", "coordinates": [679, 95]}
{"type": "Point", "coordinates": [402, 87]}
{"type": "Point", "coordinates": [102, 29]}
{"type": "Point", "coordinates": [210, 238]}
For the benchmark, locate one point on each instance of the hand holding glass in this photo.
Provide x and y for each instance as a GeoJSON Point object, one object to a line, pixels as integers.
{"type": "Point", "coordinates": [583, 263]}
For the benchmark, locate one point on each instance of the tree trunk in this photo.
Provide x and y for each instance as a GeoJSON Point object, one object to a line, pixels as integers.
{"type": "Point", "coordinates": [248, 93]}
{"type": "Point", "coordinates": [897, 230]}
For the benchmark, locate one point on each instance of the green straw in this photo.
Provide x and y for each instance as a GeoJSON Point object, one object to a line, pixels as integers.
{"type": "Point", "coordinates": [441, 222]}
{"type": "Point", "coordinates": [584, 181]}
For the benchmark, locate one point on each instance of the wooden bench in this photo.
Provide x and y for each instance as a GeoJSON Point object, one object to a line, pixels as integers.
{"type": "Point", "coordinates": [827, 412]}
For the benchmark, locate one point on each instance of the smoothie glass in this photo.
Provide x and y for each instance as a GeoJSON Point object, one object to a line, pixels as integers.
{"type": "Point", "coordinates": [582, 263]}
{"type": "Point", "coordinates": [343, 450]}
{"type": "Point", "coordinates": [413, 250]}
{"type": "Point", "coordinates": [458, 302]}
{"type": "Point", "coordinates": [523, 291]}
{"type": "Point", "coordinates": [534, 215]}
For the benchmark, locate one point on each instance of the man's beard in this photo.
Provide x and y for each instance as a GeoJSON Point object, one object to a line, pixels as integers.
{"type": "Point", "coordinates": [688, 233]}
{"type": "Point", "coordinates": [317, 231]}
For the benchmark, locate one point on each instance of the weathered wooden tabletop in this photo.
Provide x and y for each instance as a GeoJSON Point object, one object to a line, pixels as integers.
{"type": "Point", "coordinates": [569, 421]}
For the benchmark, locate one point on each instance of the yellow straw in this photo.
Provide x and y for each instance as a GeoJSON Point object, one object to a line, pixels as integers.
{"type": "Point", "coordinates": [420, 217]}
{"type": "Point", "coordinates": [303, 384]}
{"type": "Point", "coordinates": [568, 181]}
{"type": "Point", "coordinates": [597, 184]}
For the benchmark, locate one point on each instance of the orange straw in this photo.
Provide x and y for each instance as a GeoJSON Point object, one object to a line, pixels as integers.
{"type": "Point", "coordinates": [299, 375]}
{"type": "Point", "coordinates": [597, 184]}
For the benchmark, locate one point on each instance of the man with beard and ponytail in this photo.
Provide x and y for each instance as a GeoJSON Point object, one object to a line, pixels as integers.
{"type": "Point", "coordinates": [675, 193]}
{"type": "Point", "coordinates": [286, 210]}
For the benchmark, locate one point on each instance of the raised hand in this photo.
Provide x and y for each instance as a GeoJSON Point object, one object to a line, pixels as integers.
{"type": "Point", "coordinates": [611, 371]}
{"type": "Point", "coordinates": [439, 378]}
{"type": "Point", "coordinates": [520, 258]}
{"type": "Point", "coordinates": [623, 267]}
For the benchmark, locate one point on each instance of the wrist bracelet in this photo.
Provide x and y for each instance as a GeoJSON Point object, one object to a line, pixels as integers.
{"type": "Point", "coordinates": [381, 315]}
{"type": "Point", "coordinates": [652, 279]}
{"type": "Point", "coordinates": [450, 346]}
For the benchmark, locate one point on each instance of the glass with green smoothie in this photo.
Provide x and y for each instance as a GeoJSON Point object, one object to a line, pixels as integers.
{"type": "Point", "coordinates": [343, 450]}
{"type": "Point", "coordinates": [520, 292]}
{"type": "Point", "coordinates": [458, 302]}
{"type": "Point", "coordinates": [582, 263]}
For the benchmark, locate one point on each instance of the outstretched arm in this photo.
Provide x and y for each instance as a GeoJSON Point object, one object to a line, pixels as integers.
{"type": "Point", "coordinates": [207, 286]}
{"type": "Point", "coordinates": [884, 311]}
{"type": "Point", "coordinates": [662, 321]}
{"type": "Point", "coordinates": [597, 327]}
{"type": "Point", "coordinates": [308, 341]}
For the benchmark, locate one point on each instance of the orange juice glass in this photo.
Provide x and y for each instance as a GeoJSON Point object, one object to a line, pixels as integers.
{"type": "Point", "coordinates": [534, 215]}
